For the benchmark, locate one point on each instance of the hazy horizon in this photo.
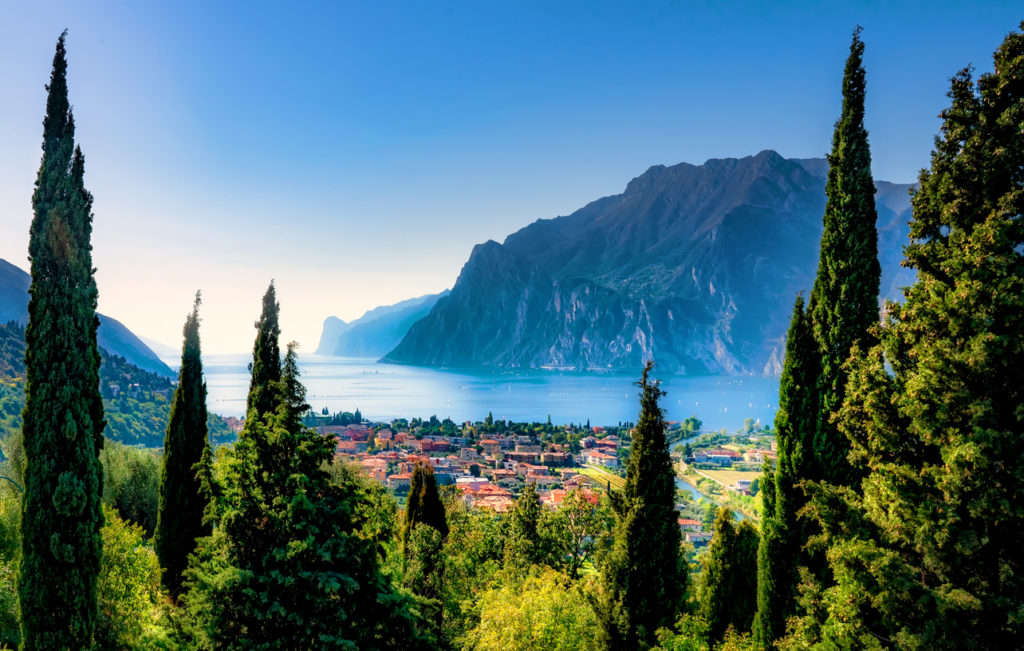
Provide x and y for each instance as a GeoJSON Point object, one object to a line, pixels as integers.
{"type": "Point", "coordinates": [357, 154]}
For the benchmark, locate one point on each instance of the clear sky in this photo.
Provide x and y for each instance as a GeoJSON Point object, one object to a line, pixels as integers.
{"type": "Point", "coordinates": [355, 152]}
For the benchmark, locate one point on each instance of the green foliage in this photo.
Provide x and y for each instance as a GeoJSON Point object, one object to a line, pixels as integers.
{"type": "Point", "coordinates": [541, 611]}
{"type": "Point", "coordinates": [183, 499]}
{"type": "Point", "coordinates": [727, 586]}
{"type": "Point", "coordinates": [264, 385]}
{"type": "Point", "coordinates": [424, 505]}
{"type": "Point", "coordinates": [576, 532]}
{"type": "Point", "coordinates": [644, 577]}
{"type": "Point", "coordinates": [690, 634]}
{"type": "Point", "coordinates": [10, 616]}
{"type": "Point", "coordinates": [289, 564]}
{"type": "Point", "coordinates": [844, 301]}
{"type": "Point", "coordinates": [929, 555]}
{"type": "Point", "coordinates": [523, 544]}
{"type": "Point", "coordinates": [10, 551]}
{"type": "Point", "coordinates": [842, 309]}
{"type": "Point", "coordinates": [782, 532]}
{"type": "Point", "coordinates": [129, 586]}
{"type": "Point", "coordinates": [63, 417]}
{"type": "Point", "coordinates": [473, 558]}
{"type": "Point", "coordinates": [422, 542]}
{"type": "Point", "coordinates": [131, 483]}
{"type": "Point", "coordinates": [135, 402]}
{"type": "Point", "coordinates": [12, 351]}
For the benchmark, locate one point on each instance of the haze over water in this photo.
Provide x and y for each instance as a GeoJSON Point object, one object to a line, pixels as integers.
{"type": "Point", "coordinates": [387, 391]}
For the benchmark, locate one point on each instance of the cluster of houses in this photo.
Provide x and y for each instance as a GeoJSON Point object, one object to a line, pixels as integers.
{"type": "Point", "coordinates": [693, 532]}
{"type": "Point", "coordinates": [487, 473]}
{"type": "Point", "coordinates": [726, 458]}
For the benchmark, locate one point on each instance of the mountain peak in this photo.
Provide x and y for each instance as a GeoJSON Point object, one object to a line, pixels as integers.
{"type": "Point", "coordinates": [693, 265]}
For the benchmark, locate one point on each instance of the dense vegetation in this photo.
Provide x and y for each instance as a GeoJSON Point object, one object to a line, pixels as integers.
{"type": "Point", "coordinates": [136, 403]}
{"type": "Point", "coordinates": [891, 518]}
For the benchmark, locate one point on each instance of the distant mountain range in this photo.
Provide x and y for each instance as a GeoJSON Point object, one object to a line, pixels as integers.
{"type": "Point", "coordinates": [376, 332]}
{"type": "Point", "coordinates": [695, 266]}
{"type": "Point", "coordinates": [112, 336]}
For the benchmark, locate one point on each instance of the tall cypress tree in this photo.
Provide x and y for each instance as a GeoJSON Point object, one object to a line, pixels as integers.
{"type": "Point", "coordinates": [727, 586]}
{"type": "Point", "coordinates": [63, 416]}
{"type": "Point", "coordinates": [265, 368]}
{"type": "Point", "coordinates": [644, 578]}
{"type": "Point", "coordinates": [183, 499]}
{"type": "Point", "coordinates": [523, 545]}
{"type": "Point", "coordinates": [423, 538]}
{"type": "Point", "coordinates": [844, 300]}
{"type": "Point", "coordinates": [781, 532]}
{"type": "Point", "coordinates": [287, 566]}
{"type": "Point", "coordinates": [424, 505]}
{"type": "Point", "coordinates": [929, 556]}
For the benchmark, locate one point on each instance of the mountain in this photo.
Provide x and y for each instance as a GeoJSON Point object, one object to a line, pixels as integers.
{"type": "Point", "coordinates": [376, 332]}
{"type": "Point", "coordinates": [331, 334]}
{"type": "Point", "coordinates": [694, 266]}
{"type": "Point", "coordinates": [112, 335]}
{"type": "Point", "coordinates": [162, 350]}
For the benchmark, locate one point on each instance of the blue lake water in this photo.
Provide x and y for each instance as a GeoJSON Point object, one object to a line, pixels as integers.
{"type": "Point", "coordinates": [386, 391]}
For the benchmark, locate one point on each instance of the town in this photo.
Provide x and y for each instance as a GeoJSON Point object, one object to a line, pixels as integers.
{"type": "Point", "coordinates": [487, 464]}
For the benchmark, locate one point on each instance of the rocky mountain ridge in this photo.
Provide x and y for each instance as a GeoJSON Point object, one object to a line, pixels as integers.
{"type": "Point", "coordinates": [695, 266]}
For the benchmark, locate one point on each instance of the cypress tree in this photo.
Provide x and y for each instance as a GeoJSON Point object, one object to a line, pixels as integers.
{"type": "Point", "coordinates": [644, 577]}
{"type": "Point", "coordinates": [844, 300]}
{"type": "Point", "coordinates": [183, 499]}
{"type": "Point", "coordinates": [426, 528]}
{"type": "Point", "coordinates": [287, 565]}
{"type": "Point", "coordinates": [727, 585]}
{"type": "Point", "coordinates": [63, 415]}
{"type": "Point", "coordinates": [782, 534]}
{"type": "Point", "coordinates": [424, 505]}
{"type": "Point", "coordinates": [929, 556]}
{"type": "Point", "coordinates": [265, 368]}
{"type": "Point", "coordinates": [523, 546]}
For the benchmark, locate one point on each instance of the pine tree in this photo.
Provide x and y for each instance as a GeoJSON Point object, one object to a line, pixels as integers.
{"type": "Point", "coordinates": [265, 368]}
{"type": "Point", "coordinates": [63, 415]}
{"type": "Point", "coordinates": [727, 586]}
{"type": "Point", "coordinates": [183, 499]}
{"type": "Point", "coordinates": [644, 578]}
{"type": "Point", "coordinates": [844, 300]}
{"type": "Point", "coordinates": [929, 556]}
{"type": "Point", "coordinates": [782, 534]}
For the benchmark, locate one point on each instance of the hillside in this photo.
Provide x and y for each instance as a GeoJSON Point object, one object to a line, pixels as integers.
{"type": "Point", "coordinates": [136, 402]}
{"type": "Point", "coordinates": [112, 335]}
{"type": "Point", "coordinates": [693, 266]}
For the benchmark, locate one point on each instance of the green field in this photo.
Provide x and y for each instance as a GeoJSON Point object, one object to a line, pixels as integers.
{"type": "Point", "coordinates": [603, 477]}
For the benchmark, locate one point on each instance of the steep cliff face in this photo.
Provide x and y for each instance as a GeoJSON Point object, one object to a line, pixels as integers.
{"type": "Point", "coordinates": [693, 266]}
{"type": "Point", "coordinates": [377, 331]}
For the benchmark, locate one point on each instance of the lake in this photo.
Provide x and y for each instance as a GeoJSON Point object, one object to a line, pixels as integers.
{"type": "Point", "coordinates": [386, 391]}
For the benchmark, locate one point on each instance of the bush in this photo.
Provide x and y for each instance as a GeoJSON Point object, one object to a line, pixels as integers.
{"type": "Point", "coordinates": [128, 587]}
{"type": "Point", "coordinates": [131, 483]}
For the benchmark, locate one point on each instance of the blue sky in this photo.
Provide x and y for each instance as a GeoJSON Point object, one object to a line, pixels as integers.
{"type": "Point", "coordinates": [357, 151]}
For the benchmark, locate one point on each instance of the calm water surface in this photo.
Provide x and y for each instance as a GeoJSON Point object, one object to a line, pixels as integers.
{"type": "Point", "coordinates": [386, 391]}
